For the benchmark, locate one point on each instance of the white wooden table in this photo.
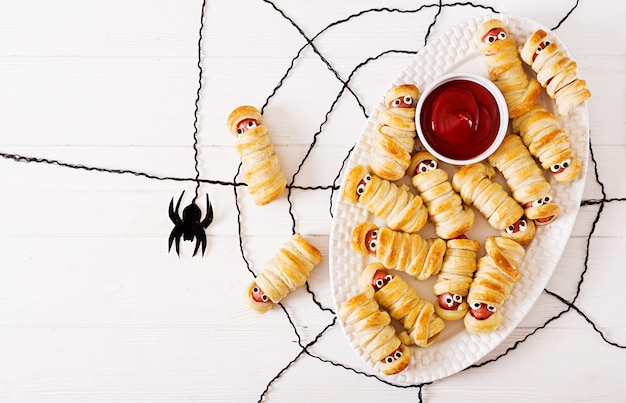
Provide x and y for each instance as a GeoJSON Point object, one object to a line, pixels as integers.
{"type": "Point", "coordinates": [97, 137]}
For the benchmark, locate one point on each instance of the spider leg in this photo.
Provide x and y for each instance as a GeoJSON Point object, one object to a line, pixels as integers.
{"type": "Point", "coordinates": [200, 239]}
{"type": "Point", "coordinates": [209, 213]}
{"type": "Point", "coordinates": [175, 235]}
{"type": "Point", "coordinates": [174, 213]}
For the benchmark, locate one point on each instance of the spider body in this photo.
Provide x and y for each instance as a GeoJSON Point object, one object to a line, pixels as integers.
{"type": "Point", "coordinates": [190, 226]}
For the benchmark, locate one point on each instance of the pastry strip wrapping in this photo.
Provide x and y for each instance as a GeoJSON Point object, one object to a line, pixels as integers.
{"type": "Point", "coordinates": [395, 135]}
{"type": "Point", "coordinates": [261, 167]}
{"type": "Point", "coordinates": [401, 209]}
{"type": "Point", "coordinates": [473, 182]}
{"type": "Point", "coordinates": [397, 250]}
{"type": "Point", "coordinates": [556, 72]}
{"type": "Point", "coordinates": [494, 279]}
{"type": "Point", "coordinates": [375, 333]}
{"type": "Point", "coordinates": [505, 67]}
{"type": "Point", "coordinates": [525, 180]}
{"type": "Point", "coordinates": [416, 315]}
{"type": "Point", "coordinates": [287, 270]}
{"type": "Point", "coordinates": [446, 210]}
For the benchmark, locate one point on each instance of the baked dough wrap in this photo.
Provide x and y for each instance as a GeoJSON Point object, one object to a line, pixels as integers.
{"type": "Point", "coordinates": [493, 281]}
{"type": "Point", "coordinates": [540, 132]}
{"type": "Point", "coordinates": [397, 250]}
{"type": "Point", "coordinates": [446, 210]}
{"type": "Point", "coordinates": [417, 316]}
{"type": "Point", "coordinates": [261, 167]}
{"type": "Point", "coordinates": [395, 135]}
{"type": "Point", "coordinates": [505, 67]}
{"type": "Point", "coordinates": [401, 209]}
{"type": "Point", "coordinates": [473, 182]}
{"type": "Point", "coordinates": [455, 277]}
{"type": "Point", "coordinates": [375, 333]}
{"type": "Point", "coordinates": [525, 180]}
{"type": "Point", "coordinates": [287, 270]}
{"type": "Point", "coordinates": [556, 72]}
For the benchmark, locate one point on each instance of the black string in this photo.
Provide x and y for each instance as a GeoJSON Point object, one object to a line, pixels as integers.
{"type": "Point", "coordinates": [305, 348]}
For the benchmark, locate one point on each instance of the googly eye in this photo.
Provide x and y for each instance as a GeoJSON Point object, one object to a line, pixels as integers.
{"type": "Point", "coordinates": [264, 298]}
{"type": "Point", "coordinates": [239, 131]}
{"type": "Point", "coordinates": [490, 39]}
{"type": "Point", "coordinates": [396, 103]}
{"type": "Point", "coordinates": [457, 298]}
{"type": "Point", "coordinates": [537, 203]}
{"type": "Point", "coordinates": [475, 305]}
{"type": "Point", "coordinates": [523, 224]}
{"type": "Point", "coordinates": [547, 199]}
{"type": "Point", "coordinates": [448, 300]}
{"type": "Point", "coordinates": [491, 308]}
{"type": "Point", "coordinates": [501, 35]}
{"type": "Point", "coordinates": [380, 283]}
{"type": "Point", "coordinates": [510, 229]}
{"type": "Point", "coordinates": [566, 163]}
{"type": "Point", "coordinates": [408, 100]}
{"type": "Point", "coordinates": [251, 124]}
{"type": "Point", "coordinates": [398, 354]}
{"type": "Point", "coordinates": [555, 167]}
{"type": "Point", "coordinates": [546, 43]}
{"type": "Point", "coordinates": [374, 234]}
{"type": "Point", "coordinates": [255, 289]}
{"type": "Point", "coordinates": [367, 178]}
{"type": "Point", "coordinates": [389, 359]}
{"type": "Point", "coordinates": [388, 278]}
{"type": "Point", "coordinates": [372, 245]}
{"type": "Point", "coordinates": [360, 189]}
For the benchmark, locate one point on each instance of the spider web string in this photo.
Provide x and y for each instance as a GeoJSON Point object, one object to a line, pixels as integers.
{"type": "Point", "coordinates": [197, 104]}
{"type": "Point", "coordinates": [569, 306]}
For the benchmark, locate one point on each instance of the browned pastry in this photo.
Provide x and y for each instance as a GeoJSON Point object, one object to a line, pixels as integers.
{"type": "Point", "coordinates": [556, 72]}
{"type": "Point", "coordinates": [549, 144]}
{"type": "Point", "coordinates": [262, 171]}
{"type": "Point", "coordinates": [419, 257]}
{"type": "Point", "coordinates": [287, 270]}
{"type": "Point", "coordinates": [525, 180]}
{"type": "Point", "coordinates": [401, 209]}
{"type": "Point", "coordinates": [473, 182]}
{"type": "Point", "coordinates": [505, 67]}
{"type": "Point", "coordinates": [497, 273]}
{"type": "Point", "coordinates": [446, 210]}
{"type": "Point", "coordinates": [395, 136]}
{"type": "Point", "coordinates": [417, 316]}
{"type": "Point", "coordinates": [455, 277]}
{"type": "Point", "coordinates": [375, 333]}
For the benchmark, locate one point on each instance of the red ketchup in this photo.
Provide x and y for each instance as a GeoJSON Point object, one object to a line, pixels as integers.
{"type": "Point", "coordinates": [460, 119]}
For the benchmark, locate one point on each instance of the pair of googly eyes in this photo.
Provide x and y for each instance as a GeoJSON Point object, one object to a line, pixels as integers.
{"type": "Point", "coordinates": [426, 165]}
{"type": "Point", "coordinates": [395, 356]}
{"type": "Point", "coordinates": [249, 126]}
{"type": "Point", "coordinates": [381, 282]}
{"type": "Point", "coordinates": [476, 305]}
{"type": "Point", "coordinates": [542, 201]}
{"type": "Point", "coordinates": [519, 226]}
{"type": "Point", "coordinates": [493, 38]}
{"type": "Point", "coordinates": [373, 235]}
{"type": "Point", "coordinates": [450, 299]}
{"type": "Point", "coordinates": [257, 290]}
{"type": "Point", "coordinates": [361, 188]}
{"type": "Point", "coordinates": [542, 46]}
{"type": "Point", "coordinates": [562, 165]}
{"type": "Point", "coordinates": [407, 100]}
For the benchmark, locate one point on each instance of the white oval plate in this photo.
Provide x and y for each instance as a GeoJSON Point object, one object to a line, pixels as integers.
{"type": "Point", "coordinates": [456, 349]}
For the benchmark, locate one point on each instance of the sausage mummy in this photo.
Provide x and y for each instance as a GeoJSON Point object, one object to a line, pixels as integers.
{"type": "Point", "coordinates": [473, 183]}
{"type": "Point", "coordinates": [375, 333]}
{"type": "Point", "coordinates": [262, 171]}
{"type": "Point", "coordinates": [419, 257]}
{"type": "Point", "coordinates": [505, 67]}
{"type": "Point", "coordinates": [401, 209]}
{"type": "Point", "coordinates": [556, 72]}
{"type": "Point", "coordinates": [494, 279]}
{"type": "Point", "coordinates": [455, 277]}
{"type": "Point", "coordinates": [395, 136]}
{"type": "Point", "coordinates": [445, 208]}
{"type": "Point", "coordinates": [549, 144]}
{"type": "Point", "coordinates": [287, 270]}
{"type": "Point", "coordinates": [417, 316]}
{"type": "Point", "coordinates": [525, 180]}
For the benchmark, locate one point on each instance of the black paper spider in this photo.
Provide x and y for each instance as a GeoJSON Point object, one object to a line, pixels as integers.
{"type": "Point", "coordinates": [190, 226]}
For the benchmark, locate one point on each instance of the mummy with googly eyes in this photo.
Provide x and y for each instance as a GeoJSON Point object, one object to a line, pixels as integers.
{"type": "Point", "coordinates": [397, 250]}
{"type": "Point", "coordinates": [261, 167]}
{"type": "Point", "coordinates": [556, 71]}
{"type": "Point", "coordinates": [375, 333]}
{"type": "Point", "coordinates": [416, 315]}
{"type": "Point", "coordinates": [475, 185]}
{"type": "Point", "coordinates": [394, 137]}
{"type": "Point", "coordinates": [525, 179]}
{"type": "Point", "coordinates": [497, 273]}
{"type": "Point", "coordinates": [505, 67]}
{"type": "Point", "coordinates": [287, 270]}
{"type": "Point", "coordinates": [455, 277]}
{"type": "Point", "coordinates": [446, 210]}
{"type": "Point", "coordinates": [548, 143]}
{"type": "Point", "coordinates": [401, 209]}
